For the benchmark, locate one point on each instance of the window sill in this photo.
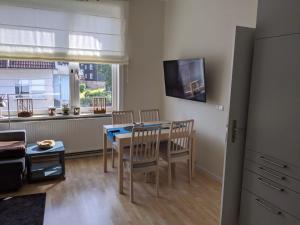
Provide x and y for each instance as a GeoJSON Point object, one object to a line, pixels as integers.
{"type": "Point", "coordinates": [57, 117]}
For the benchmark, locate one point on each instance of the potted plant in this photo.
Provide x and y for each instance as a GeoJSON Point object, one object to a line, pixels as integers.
{"type": "Point", "coordinates": [65, 109]}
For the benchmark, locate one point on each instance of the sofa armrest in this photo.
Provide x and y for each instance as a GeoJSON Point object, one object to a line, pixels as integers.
{"type": "Point", "coordinates": [13, 135]}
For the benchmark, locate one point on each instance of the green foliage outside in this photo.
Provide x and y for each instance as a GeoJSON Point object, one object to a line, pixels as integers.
{"type": "Point", "coordinates": [87, 94]}
{"type": "Point", "coordinates": [105, 71]}
{"type": "Point", "coordinates": [82, 87]}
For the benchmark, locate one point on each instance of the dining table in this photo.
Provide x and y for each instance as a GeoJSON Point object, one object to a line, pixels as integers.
{"type": "Point", "coordinates": [123, 140]}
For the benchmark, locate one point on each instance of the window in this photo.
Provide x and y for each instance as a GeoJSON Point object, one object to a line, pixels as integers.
{"type": "Point", "coordinates": [61, 91]}
{"type": "Point", "coordinates": [98, 86]}
{"type": "Point", "coordinates": [97, 35]}
{"type": "Point", "coordinates": [22, 87]}
{"type": "Point", "coordinates": [48, 84]}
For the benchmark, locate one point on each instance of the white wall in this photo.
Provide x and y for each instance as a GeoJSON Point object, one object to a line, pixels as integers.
{"type": "Point", "coordinates": [206, 28]}
{"type": "Point", "coordinates": [143, 80]}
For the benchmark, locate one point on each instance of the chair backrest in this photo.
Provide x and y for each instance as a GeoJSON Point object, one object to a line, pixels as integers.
{"type": "Point", "coordinates": [122, 117]}
{"type": "Point", "coordinates": [149, 115]}
{"type": "Point", "coordinates": [180, 136]}
{"type": "Point", "coordinates": [144, 146]}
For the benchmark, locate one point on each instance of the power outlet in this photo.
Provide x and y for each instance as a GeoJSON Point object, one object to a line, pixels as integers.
{"type": "Point", "coordinates": [220, 107]}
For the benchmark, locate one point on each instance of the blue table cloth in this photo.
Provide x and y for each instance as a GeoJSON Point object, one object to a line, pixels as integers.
{"type": "Point", "coordinates": [112, 132]}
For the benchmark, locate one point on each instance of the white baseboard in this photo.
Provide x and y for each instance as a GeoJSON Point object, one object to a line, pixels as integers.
{"type": "Point", "coordinates": [209, 173]}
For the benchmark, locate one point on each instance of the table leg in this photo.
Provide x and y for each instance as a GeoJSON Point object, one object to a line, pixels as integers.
{"type": "Point", "coordinates": [120, 168]}
{"type": "Point", "coordinates": [104, 151]}
{"type": "Point", "coordinates": [62, 161]}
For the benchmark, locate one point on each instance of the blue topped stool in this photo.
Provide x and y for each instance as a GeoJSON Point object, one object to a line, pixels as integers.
{"type": "Point", "coordinates": [45, 164]}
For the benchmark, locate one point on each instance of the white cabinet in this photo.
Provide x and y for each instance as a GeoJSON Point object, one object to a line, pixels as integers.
{"type": "Point", "coordinates": [278, 17]}
{"type": "Point", "coordinates": [274, 110]}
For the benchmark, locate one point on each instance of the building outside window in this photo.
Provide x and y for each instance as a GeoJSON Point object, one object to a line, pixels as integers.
{"type": "Point", "coordinates": [22, 87]}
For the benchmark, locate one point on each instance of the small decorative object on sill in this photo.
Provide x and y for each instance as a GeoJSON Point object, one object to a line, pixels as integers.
{"type": "Point", "coordinates": [51, 111]}
{"type": "Point", "coordinates": [46, 144]}
{"type": "Point", "coordinates": [76, 111]}
{"type": "Point", "coordinates": [99, 105]}
{"type": "Point", "coordinates": [25, 107]}
{"type": "Point", "coordinates": [66, 109]}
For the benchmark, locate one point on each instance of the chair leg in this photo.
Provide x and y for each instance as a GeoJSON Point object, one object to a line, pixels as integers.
{"type": "Point", "coordinates": [189, 163]}
{"type": "Point", "coordinates": [131, 186]}
{"type": "Point", "coordinates": [112, 158]}
{"type": "Point", "coordinates": [169, 173]}
{"type": "Point", "coordinates": [157, 181]}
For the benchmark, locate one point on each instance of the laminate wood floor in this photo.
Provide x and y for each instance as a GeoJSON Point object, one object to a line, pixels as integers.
{"type": "Point", "coordinates": [90, 197]}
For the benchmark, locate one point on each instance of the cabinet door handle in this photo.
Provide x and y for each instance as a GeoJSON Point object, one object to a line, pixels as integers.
{"type": "Point", "coordinates": [234, 131]}
{"type": "Point", "coordinates": [271, 174]}
{"type": "Point", "coordinates": [275, 211]}
{"type": "Point", "coordinates": [270, 185]}
{"type": "Point", "coordinates": [273, 163]}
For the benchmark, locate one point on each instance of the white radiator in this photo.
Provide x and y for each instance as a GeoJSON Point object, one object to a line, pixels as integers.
{"type": "Point", "coordinates": [78, 135]}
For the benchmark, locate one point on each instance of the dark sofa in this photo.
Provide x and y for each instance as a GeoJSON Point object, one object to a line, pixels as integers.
{"type": "Point", "coordinates": [12, 159]}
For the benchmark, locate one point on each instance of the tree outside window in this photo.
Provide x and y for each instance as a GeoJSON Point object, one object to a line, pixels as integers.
{"type": "Point", "coordinates": [98, 84]}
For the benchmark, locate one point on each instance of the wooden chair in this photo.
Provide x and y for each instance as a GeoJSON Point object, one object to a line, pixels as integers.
{"type": "Point", "coordinates": [179, 146]}
{"type": "Point", "coordinates": [143, 156]}
{"type": "Point", "coordinates": [149, 115]}
{"type": "Point", "coordinates": [120, 117]}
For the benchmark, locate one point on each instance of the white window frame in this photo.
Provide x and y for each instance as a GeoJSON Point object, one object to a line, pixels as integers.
{"type": "Point", "coordinates": [117, 95]}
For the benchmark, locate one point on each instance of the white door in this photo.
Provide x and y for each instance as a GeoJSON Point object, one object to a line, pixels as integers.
{"type": "Point", "coordinates": [240, 88]}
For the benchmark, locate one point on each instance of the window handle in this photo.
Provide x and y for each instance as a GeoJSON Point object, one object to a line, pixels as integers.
{"type": "Point", "coordinates": [272, 162]}
{"type": "Point", "coordinates": [270, 185]}
{"type": "Point", "coordinates": [272, 174]}
{"type": "Point", "coordinates": [275, 211]}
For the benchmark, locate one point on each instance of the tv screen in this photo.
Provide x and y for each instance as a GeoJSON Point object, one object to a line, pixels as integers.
{"type": "Point", "coordinates": [185, 78]}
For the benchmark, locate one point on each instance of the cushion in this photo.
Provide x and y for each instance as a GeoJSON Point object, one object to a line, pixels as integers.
{"type": "Point", "coordinates": [12, 149]}
{"type": "Point", "coordinates": [163, 150]}
{"type": "Point", "coordinates": [126, 158]}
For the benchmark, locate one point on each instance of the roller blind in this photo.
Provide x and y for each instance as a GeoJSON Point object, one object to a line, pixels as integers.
{"type": "Point", "coordinates": [75, 32]}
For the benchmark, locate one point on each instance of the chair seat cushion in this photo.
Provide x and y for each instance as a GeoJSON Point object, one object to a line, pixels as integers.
{"type": "Point", "coordinates": [12, 149]}
{"type": "Point", "coordinates": [141, 165]}
{"type": "Point", "coordinates": [163, 150]}
{"type": "Point", "coordinates": [126, 158]}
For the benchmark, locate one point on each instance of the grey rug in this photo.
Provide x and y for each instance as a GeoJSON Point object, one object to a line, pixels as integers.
{"type": "Point", "coordinates": [23, 210]}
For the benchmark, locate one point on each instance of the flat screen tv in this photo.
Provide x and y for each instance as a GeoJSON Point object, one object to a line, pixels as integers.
{"type": "Point", "coordinates": [185, 78]}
